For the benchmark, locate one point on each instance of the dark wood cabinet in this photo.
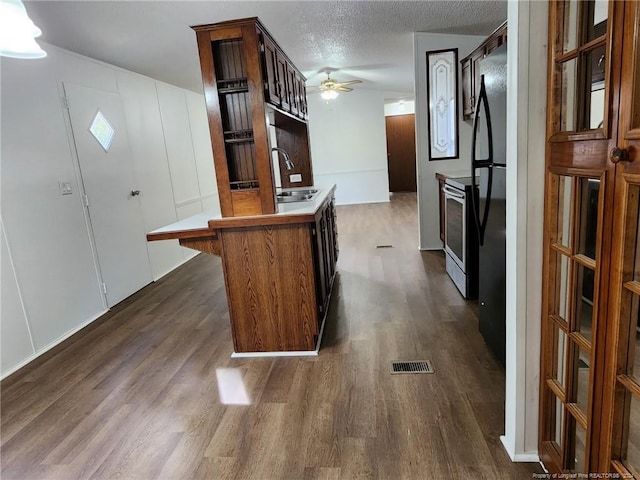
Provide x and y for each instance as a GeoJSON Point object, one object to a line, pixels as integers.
{"type": "Point", "coordinates": [279, 274]}
{"type": "Point", "coordinates": [270, 64]}
{"type": "Point", "coordinates": [471, 70]}
{"type": "Point", "coordinates": [325, 234]}
{"type": "Point", "coordinates": [283, 83]}
{"type": "Point", "coordinates": [247, 76]}
{"type": "Point", "coordinates": [279, 263]}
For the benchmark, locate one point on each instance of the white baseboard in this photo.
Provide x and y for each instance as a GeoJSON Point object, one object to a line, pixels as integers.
{"type": "Point", "coordinates": [48, 347]}
{"type": "Point", "coordinates": [525, 457]}
{"type": "Point", "coordinates": [360, 203]}
{"type": "Point", "coordinates": [302, 353]}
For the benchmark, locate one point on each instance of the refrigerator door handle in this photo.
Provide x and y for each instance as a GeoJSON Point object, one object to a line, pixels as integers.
{"type": "Point", "coordinates": [484, 101]}
{"type": "Point", "coordinates": [481, 224]}
{"type": "Point", "coordinates": [476, 163]}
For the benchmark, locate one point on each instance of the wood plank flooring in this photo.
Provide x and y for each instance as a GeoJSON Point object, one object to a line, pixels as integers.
{"type": "Point", "coordinates": [137, 394]}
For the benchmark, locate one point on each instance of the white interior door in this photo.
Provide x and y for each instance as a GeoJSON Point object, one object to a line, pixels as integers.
{"type": "Point", "coordinates": [102, 145]}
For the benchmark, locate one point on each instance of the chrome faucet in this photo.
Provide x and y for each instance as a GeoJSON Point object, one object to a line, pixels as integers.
{"type": "Point", "coordinates": [287, 161]}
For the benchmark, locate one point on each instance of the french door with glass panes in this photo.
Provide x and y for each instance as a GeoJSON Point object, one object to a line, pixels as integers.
{"type": "Point", "coordinates": [590, 390]}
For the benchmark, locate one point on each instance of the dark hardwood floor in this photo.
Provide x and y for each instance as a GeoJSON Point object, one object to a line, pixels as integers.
{"type": "Point", "coordinates": [139, 393]}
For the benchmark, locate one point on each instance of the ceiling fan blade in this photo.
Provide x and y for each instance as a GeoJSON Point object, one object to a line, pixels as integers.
{"type": "Point", "coordinates": [343, 89]}
{"type": "Point", "coordinates": [350, 82]}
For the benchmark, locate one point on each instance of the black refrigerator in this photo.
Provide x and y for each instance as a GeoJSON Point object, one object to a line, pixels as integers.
{"type": "Point", "coordinates": [489, 169]}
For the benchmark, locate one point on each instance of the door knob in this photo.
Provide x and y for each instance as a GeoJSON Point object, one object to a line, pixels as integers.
{"type": "Point", "coordinates": [135, 193]}
{"type": "Point", "coordinates": [619, 154]}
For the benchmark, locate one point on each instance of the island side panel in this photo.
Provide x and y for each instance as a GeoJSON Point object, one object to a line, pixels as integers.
{"type": "Point", "coordinates": [269, 275]}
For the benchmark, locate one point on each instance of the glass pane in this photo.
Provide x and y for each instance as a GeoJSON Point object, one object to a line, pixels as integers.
{"type": "Point", "coordinates": [454, 215]}
{"type": "Point", "coordinates": [595, 63]}
{"type": "Point", "coordinates": [632, 457]}
{"type": "Point", "coordinates": [565, 190]}
{"type": "Point", "coordinates": [635, 92]}
{"type": "Point", "coordinates": [559, 422]}
{"type": "Point", "coordinates": [631, 313]}
{"type": "Point", "coordinates": [598, 12]}
{"type": "Point", "coordinates": [576, 463]}
{"type": "Point", "coordinates": [570, 27]}
{"type": "Point", "coordinates": [562, 286]}
{"type": "Point", "coordinates": [102, 131]}
{"type": "Point", "coordinates": [631, 270]}
{"type": "Point", "coordinates": [588, 212]}
{"type": "Point", "coordinates": [561, 357]}
{"type": "Point", "coordinates": [582, 379]}
{"type": "Point", "coordinates": [568, 106]}
{"type": "Point", "coordinates": [584, 301]}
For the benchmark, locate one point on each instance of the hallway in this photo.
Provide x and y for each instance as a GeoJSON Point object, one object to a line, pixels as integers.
{"type": "Point", "coordinates": [150, 391]}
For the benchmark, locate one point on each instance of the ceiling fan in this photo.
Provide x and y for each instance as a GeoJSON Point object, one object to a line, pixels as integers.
{"type": "Point", "coordinates": [330, 88]}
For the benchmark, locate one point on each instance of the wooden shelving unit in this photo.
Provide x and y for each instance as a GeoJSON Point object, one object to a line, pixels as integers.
{"type": "Point", "coordinates": [247, 78]}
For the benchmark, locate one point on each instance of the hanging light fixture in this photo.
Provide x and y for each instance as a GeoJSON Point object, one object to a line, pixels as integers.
{"type": "Point", "coordinates": [329, 95]}
{"type": "Point", "coordinates": [17, 32]}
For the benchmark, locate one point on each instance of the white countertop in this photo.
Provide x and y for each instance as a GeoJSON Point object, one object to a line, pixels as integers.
{"type": "Point", "coordinates": [195, 222]}
{"type": "Point", "coordinates": [200, 221]}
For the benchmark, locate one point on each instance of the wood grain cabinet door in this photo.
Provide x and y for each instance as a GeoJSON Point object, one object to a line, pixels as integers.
{"type": "Point", "coordinates": [292, 90]}
{"type": "Point", "coordinates": [271, 71]}
{"type": "Point", "coordinates": [589, 396]}
{"type": "Point", "coordinates": [283, 89]}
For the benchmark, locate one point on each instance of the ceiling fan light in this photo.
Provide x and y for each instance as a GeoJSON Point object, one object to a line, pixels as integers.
{"type": "Point", "coordinates": [17, 32]}
{"type": "Point", "coordinates": [329, 95]}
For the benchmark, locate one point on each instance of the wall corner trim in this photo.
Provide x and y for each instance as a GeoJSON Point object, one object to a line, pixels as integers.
{"type": "Point", "coordinates": [526, 457]}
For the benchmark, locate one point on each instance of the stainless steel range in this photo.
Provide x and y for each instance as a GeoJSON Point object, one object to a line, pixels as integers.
{"type": "Point", "coordinates": [461, 238]}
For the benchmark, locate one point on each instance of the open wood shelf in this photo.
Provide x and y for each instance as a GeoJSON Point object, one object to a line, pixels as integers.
{"type": "Point", "coordinates": [233, 85]}
{"type": "Point", "coordinates": [246, 77]}
{"type": "Point", "coordinates": [244, 185]}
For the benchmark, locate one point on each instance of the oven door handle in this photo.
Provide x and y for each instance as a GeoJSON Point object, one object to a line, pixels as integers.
{"type": "Point", "coordinates": [452, 193]}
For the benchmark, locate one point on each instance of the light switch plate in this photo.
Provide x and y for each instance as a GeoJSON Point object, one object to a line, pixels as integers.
{"type": "Point", "coordinates": [65, 188]}
{"type": "Point", "coordinates": [295, 178]}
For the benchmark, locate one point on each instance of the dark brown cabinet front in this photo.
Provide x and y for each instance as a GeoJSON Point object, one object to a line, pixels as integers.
{"type": "Point", "coordinates": [247, 76]}
{"type": "Point", "coordinates": [471, 72]}
{"type": "Point", "coordinates": [271, 72]}
{"type": "Point", "coordinates": [325, 234]}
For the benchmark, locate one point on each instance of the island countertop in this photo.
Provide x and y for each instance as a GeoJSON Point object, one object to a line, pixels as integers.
{"type": "Point", "coordinates": [206, 223]}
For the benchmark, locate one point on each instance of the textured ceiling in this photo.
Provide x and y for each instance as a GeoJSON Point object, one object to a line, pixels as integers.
{"type": "Point", "coordinates": [360, 39]}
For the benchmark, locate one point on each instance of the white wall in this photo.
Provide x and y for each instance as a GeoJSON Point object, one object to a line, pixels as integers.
{"type": "Point", "coordinates": [428, 197]}
{"type": "Point", "coordinates": [526, 141]}
{"type": "Point", "coordinates": [151, 172]}
{"type": "Point", "coordinates": [407, 107]}
{"type": "Point", "coordinates": [348, 145]}
{"type": "Point", "coordinates": [50, 285]}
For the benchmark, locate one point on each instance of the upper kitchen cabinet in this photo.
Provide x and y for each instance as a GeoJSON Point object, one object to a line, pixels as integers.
{"type": "Point", "coordinates": [471, 72]}
{"type": "Point", "coordinates": [251, 87]}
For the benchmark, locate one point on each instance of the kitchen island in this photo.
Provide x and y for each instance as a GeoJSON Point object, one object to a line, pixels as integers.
{"type": "Point", "coordinates": [278, 268]}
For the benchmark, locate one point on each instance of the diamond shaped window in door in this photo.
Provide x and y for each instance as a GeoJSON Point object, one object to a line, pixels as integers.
{"type": "Point", "coordinates": [102, 131]}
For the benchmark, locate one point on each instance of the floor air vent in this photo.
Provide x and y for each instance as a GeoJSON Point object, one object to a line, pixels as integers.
{"type": "Point", "coordinates": [417, 366]}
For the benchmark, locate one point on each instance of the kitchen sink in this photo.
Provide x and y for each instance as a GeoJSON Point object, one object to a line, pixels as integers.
{"type": "Point", "coordinates": [302, 191]}
{"type": "Point", "coordinates": [291, 196]}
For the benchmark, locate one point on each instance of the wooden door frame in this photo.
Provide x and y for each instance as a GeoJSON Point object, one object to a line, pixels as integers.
{"type": "Point", "coordinates": [600, 426]}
